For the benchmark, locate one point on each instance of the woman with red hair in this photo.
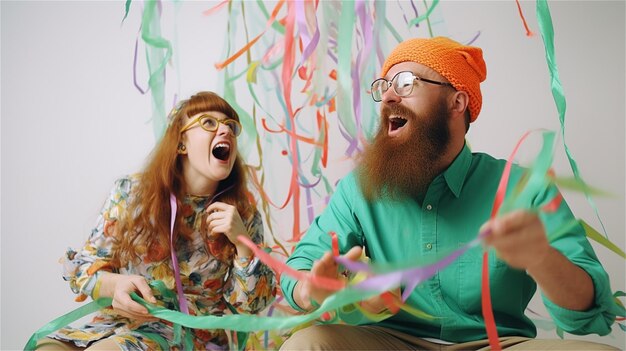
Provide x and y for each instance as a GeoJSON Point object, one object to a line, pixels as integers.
{"type": "Point", "coordinates": [177, 222]}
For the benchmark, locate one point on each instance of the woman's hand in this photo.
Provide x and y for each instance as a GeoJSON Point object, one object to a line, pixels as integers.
{"type": "Point", "coordinates": [119, 286]}
{"type": "Point", "coordinates": [225, 219]}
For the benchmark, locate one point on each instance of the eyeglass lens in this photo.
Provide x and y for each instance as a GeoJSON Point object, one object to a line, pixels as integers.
{"type": "Point", "coordinates": [211, 124]}
{"type": "Point", "coordinates": [402, 85]}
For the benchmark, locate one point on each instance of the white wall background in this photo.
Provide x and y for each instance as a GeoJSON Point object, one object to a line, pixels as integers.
{"type": "Point", "coordinates": [72, 122]}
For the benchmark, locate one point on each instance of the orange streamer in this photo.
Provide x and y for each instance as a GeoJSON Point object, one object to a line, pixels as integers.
{"type": "Point", "coordinates": [215, 8]}
{"type": "Point", "coordinates": [280, 267]}
{"type": "Point", "coordinates": [487, 309]}
{"type": "Point", "coordinates": [554, 204]}
{"type": "Point", "coordinates": [521, 14]}
{"type": "Point", "coordinates": [221, 65]}
{"type": "Point", "coordinates": [290, 133]}
{"type": "Point", "coordinates": [322, 123]}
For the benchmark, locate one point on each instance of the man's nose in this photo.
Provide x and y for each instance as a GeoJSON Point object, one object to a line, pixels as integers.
{"type": "Point", "coordinates": [390, 96]}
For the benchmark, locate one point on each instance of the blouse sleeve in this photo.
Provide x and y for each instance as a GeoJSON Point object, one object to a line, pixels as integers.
{"type": "Point", "coordinates": [81, 268]}
{"type": "Point", "coordinates": [251, 287]}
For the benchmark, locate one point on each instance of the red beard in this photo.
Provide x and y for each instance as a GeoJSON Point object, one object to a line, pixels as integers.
{"type": "Point", "coordinates": [405, 168]}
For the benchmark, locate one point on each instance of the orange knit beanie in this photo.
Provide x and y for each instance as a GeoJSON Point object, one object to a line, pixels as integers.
{"type": "Point", "coordinates": [462, 65]}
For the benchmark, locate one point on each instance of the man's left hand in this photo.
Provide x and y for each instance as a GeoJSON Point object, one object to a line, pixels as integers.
{"type": "Point", "coordinates": [519, 239]}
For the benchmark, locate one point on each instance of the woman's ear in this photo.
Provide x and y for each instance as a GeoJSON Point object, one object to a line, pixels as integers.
{"type": "Point", "coordinates": [181, 148]}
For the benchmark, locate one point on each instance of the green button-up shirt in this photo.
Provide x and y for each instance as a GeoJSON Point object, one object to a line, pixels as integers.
{"type": "Point", "coordinates": [456, 204]}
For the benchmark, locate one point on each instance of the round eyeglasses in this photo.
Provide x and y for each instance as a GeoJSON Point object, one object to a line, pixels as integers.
{"type": "Point", "coordinates": [210, 124]}
{"type": "Point", "coordinates": [402, 84]}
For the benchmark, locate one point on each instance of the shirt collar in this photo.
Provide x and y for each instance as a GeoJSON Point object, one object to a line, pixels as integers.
{"type": "Point", "coordinates": [455, 174]}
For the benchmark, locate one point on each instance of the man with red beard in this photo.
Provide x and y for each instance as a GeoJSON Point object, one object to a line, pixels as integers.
{"type": "Point", "coordinates": [419, 192]}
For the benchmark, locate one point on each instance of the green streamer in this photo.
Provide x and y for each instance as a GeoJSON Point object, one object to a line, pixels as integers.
{"type": "Point", "coordinates": [250, 323]}
{"type": "Point", "coordinates": [430, 29]}
{"type": "Point", "coordinates": [242, 337]}
{"type": "Point", "coordinates": [547, 33]}
{"type": "Point", "coordinates": [126, 9]}
{"type": "Point", "coordinates": [424, 16]}
{"type": "Point", "coordinates": [393, 31]}
{"type": "Point", "coordinates": [344, 64]}
{"type": "Point", "coordinates": [276, 25]}
{"type": "Point", "coordinates": [249, 134]}
{"type": "Point", "coordinates": [563, 230]}
{"type": "Point", "coordinates": [593, 234]}
{"type": "Point", "coordinates": [157, 60]}
{"type": "Point", "coordinates": [156, 338]}
{"type": "Point", "coordinates": [537, 181]}
{"type": "Point", "coordinates": [575, 184]}
{"type": "Point", "coordinates": [66, 319]}
{"type": "Point", "coordinates": [166, 294]}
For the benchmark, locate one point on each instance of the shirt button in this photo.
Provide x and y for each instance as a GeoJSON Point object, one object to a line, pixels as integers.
{"type": "Point", "coordinates": [429, 207]}
{"type": "Point", "coordinates": [429, 246]}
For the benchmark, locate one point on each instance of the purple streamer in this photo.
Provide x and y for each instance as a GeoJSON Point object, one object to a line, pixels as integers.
{"type": "Point", "coordinates": [309, 43]}
{"type": "Point", "coordinates": [312, 45]}
{"type": "Point", "coordinates": [353, 141]}
{"type": "Point", "coordinates": [309, 205]}
{"type": "Point", "coordinates": [474, 38]}
{"type": "Point", "coordinates": [332, 57]}
{"type": "Point", "coordinates": [381, 56]}
{"type": "Point", "coordinates": [356, 77]}
{"type": "Point", "coordinates": [270, 311]}
{"type": "Point", "coordinates": [143, 92]}
{"type": "Point", "coordinates": [182, 301]}
{"type": "Point", "coordinates": [406, 21]}
{"type": "Point", "coordinates": [411, 277]}
{"type": "Point", "coordinates": [353, 266]}
{"type": "Point", "coordinates": [301, 22]}
{"type": "Point", "coordinates": [416, 13]}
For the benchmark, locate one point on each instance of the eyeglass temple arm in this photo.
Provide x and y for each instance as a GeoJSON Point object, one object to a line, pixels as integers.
{"type": "Point", "coordinates": [433, 81]}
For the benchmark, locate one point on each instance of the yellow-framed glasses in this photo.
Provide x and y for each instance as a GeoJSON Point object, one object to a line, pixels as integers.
{"type": "Point", "coordinates": [211, 123]}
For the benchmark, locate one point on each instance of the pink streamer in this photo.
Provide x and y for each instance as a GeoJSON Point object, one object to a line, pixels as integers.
{"type": "Point", "coordinates": [182, 301]}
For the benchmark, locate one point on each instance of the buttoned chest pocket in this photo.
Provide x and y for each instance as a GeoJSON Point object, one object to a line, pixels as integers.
{"type": "Point", "coordinates": [470, 277]}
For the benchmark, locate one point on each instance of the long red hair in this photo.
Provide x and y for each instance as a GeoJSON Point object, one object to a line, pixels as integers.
{"type": "Point", "coordinates": [146, 224]}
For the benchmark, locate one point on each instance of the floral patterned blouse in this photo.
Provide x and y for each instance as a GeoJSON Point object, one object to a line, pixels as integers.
{"type": "Point", "coordinates": [210, 276]}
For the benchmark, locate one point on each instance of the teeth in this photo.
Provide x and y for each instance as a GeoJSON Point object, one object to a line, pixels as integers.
{"type": "Point", "coordinates": [221, 150]}
{"type": "Point", "coordinates": [397, 122]}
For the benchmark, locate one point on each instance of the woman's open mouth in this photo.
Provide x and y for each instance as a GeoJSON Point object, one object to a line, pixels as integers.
{"type": "Point", "coordinates": [221, 151]}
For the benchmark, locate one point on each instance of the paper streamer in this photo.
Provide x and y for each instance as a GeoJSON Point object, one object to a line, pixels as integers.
{"type": "Point", "coordinates": [345, 294]}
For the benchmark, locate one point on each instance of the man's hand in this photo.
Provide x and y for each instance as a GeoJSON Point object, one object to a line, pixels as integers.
{"type": "Point", "coordinates": [324, 267]}
{"type": "Point", "coordinates": [377, 304]}
{"type": "Point", "coordinates": [519, 239]}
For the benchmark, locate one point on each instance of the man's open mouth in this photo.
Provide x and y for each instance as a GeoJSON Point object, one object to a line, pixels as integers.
{"type": "Point", "coordinates": [396, 123]}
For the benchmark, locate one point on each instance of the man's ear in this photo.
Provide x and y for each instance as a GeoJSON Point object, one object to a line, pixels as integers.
{"type": "Point", "coordinates": [460, 102]}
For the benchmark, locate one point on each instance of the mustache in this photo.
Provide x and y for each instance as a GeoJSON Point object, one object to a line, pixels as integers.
{"type": "Point", "coordinates": [397, 110]}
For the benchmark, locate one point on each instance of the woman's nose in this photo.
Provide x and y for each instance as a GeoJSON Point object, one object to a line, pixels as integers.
{"type": "Point", "coordinates": [223, 129]}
